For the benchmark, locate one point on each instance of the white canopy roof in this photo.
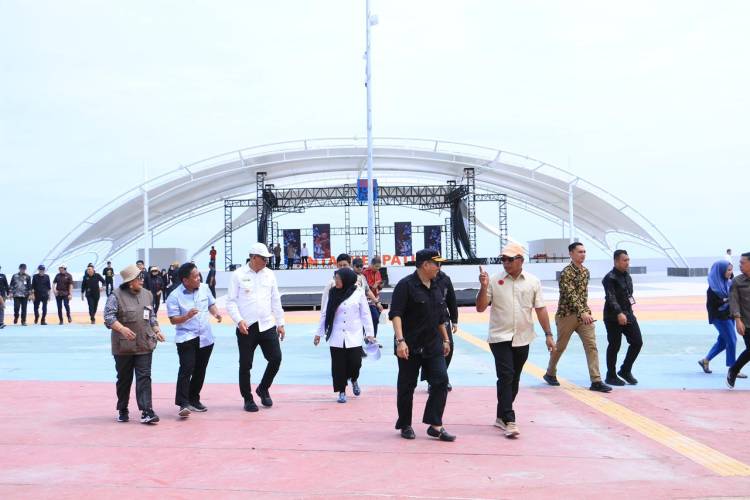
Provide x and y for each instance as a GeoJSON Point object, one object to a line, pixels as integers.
{"type": "Point", "coordinates": [195, 189]}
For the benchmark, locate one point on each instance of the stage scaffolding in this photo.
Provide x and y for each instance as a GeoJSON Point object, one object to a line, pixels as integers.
{"type": "Point", "coordinates": [270, 200]}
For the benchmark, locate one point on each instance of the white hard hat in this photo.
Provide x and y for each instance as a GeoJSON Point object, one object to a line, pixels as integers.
{"type": "Point", "coordinates": [259, 249]}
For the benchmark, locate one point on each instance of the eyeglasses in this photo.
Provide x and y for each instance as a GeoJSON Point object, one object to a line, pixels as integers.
{"type": "Point", "coordinates": [505, 258]}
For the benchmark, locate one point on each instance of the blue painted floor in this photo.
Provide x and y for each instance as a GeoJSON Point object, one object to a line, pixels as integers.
{"type": "Point", "coordinates": [82, 353]}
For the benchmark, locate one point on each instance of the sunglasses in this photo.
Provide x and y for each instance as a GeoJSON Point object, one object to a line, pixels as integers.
{"type": "Point", "coordinates": [505, 258]}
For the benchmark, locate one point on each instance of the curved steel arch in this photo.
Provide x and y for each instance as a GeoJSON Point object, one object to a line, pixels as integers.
{"type": "Point", "coordinates": [200, 187]}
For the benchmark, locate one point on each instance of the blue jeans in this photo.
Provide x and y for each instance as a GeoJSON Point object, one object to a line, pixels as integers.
{"type": "Point", "coordinates": [727, 341]}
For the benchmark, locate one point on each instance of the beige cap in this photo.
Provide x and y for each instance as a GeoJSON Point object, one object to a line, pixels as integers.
{"type": "Point", "coordinates": [130, 273]}
{"type": "Point", "coordinates": [512, 250]}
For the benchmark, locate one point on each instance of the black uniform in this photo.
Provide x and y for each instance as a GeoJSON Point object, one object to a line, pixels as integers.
{"type": "Point", "coordinates": [41, 286]}
{"type": "Point", "coordinates": [211, 281]}
{"type": "Point", "coordinates": [422, 310]}
{"type": "Point", "coordinates": [155, 286]}
{"type": "Point", "coordinates": [90, 287]}
{"type": "Point", "coordinates": [109, 279]}
{"type": "Point", "coordinates": [618, 289]}
{"type": "Point", "coordinates": [4, 289]}
{"type": "Point", "coordinates": [449, 296]}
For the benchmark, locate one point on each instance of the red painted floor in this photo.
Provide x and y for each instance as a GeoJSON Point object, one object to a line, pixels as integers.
{"type": "Point", "coordinates": [60, 440]}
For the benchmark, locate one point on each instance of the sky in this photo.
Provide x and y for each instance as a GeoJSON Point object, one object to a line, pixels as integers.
{"type": "Point", "coordinates": [646, 99]}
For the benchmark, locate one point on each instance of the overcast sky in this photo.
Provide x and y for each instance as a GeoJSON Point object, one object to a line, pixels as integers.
{"type": "Point", "coordinates": [648, 100]}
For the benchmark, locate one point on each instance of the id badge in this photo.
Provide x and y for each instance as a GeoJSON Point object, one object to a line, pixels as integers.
{"type": "Point", "coordinates": [632, 300]}
{"type": "Point", "coordinates": [146, 315]}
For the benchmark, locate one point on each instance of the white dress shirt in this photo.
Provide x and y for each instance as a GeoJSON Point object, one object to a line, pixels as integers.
{"type": "Point", "coordinates": [351, 319]}
{"type": "Point", "coordinates": [254, 297]}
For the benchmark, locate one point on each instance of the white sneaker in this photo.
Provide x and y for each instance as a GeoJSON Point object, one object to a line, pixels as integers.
{"type": "Point", "coordinates": [511, 430]}
{"type": "Point", "coordinates": [499, 423]}
{"type": "Point", "coordinates": [741, 375]}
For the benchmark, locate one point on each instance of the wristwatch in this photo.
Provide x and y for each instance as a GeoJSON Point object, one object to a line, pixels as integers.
{"type": "Point", "coordinates": [398, 341]}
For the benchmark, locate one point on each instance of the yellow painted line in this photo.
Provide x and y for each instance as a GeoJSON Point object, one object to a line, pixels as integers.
{"type": "Point", "coordinates": [699, 453]}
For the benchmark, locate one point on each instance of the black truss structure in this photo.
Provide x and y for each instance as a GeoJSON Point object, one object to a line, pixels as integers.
{"type": "Point", "coordinates": [434, 197]}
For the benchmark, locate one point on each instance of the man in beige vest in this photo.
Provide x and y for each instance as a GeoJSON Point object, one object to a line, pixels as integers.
{"type": "Point", "coordinates": [129, 314]}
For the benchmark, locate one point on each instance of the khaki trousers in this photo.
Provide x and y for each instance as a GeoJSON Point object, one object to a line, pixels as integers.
{"type": "Point", "coordinates": [565, 328]}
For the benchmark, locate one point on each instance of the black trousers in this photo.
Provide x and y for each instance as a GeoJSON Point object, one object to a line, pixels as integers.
{"type": "Point", "coordinates": [509, 363]}
{"type": "Point", "coordinates": [19, 306]}
{"type": "Point", "coordinates": [304, 262]}
{"type": "Point", "coordinates": [109, 285]}
{"type": "Point", "coordinates": [615, 332]}
{"type": "Point", "coordinates": [126, 365]}
{"type": "Point", "coordinates": [157, 301]}
{"type": "Point", "coordinates": [345, 365]}
{"type": "Point", "coordinates": [744, 357]}
{"type": "Point", "coordinates": [93, 301]}
{"type": "Point", "coordinates": [192, 373]}
{"type": "Point", "coordinates": [62, 300]}
{"type": "Point", "coordinates": [437, 377]}
{"type": "Point", "coordinates": [43, 302]}
{"type": "Point", "coordinates": [269, 344]}
{"type": "Point", "coordinates": [448, 358]}
{"type": "Point", "coordinates": [213, 290]}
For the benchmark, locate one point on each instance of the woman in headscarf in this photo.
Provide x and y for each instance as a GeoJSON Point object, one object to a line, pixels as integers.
{"type": "Point", "coordinates": [717, 304]}
{"type": "Point", "coordinates": [130, 315]}
{"type": "Point", "coordinates": [344, 316]}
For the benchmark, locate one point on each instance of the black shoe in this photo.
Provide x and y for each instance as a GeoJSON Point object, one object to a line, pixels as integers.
{"type": "Point", "coordinates": [44, 322]}
{"type": "Point", "coordinates": [36, 320]}
{"type": "Point", "coordinates": [704, 365]}
{"type": "Point", "coordinates": [184, 412]}
{"type": "Point", "coordinates": [731, 377]}
{"type": "Point", "coordinates": [93, 321]}
{"type": "Point", "coordinates": [2, 325]}
{"type": "Point", "coordinates": [408, 433]}
{"type": "Point", "coordinates": [149, 417]}
{"type": "Point", "coordinates": [265, 398]}
{"type": "Point", "coordinates": [70, 320]}
{"type": "Point", "coordinates": [628, 377]}
{"type": "Point", "coordinates": [123, 416]}
{"type": "Point", "coordinates": [197, 406]}
{"type": "Point", "coordinates": [442, 434]}
{"type": "Point", "coordinates": [251, 406]}
{"type": "Point", "coordinates": [450, 387]}
{"type": "Point", "coordinates": [614, 380]}
{"type": "Point", "coordinates": [23, 323]}
{"type": "Point", "coordinates": [599, 387]}
{"type": "Point", "coordinates": [551, 379]}
{"type": "Point", "coordinates": [15, 320]}
{"type": "Point", "coordinates": [61, 322]}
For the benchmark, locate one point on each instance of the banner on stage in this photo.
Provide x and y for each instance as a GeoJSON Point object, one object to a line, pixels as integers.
{"type": "Point", "coordinates": [433, 237]}
{"type": "Point", "coordinates": [402, 232]}
{"type": "Point", "coordinates": [362, 190]}
{"type": "Point", "coordinates": [322, 241]}
{"type": "Point", "coordinates": [291, 243]}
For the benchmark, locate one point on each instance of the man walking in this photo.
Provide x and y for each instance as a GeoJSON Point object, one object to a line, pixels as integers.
{"type": "Point", "coordinates": [372, 300]}
{"type": "Point", "coordinates": [620, 320]}
{"type": "Point", "coordinates": [211, 278]}
{"type": "Point", "coordinates": [418, 314]}
{"type": "Point", "coordinates": [304, 254]}
{"type": "Point", "coordinates": [188, 307]}
{"type": "Point", "coordinates": [739, 307]}
{"type": "Point", "coordinates": [4, 290]}
{"type": "Point", "coordinates": [91, 289]}
{"type": "Point", "coordinates": [574, 315]}
{"type": "Point", "coordinates": [277, 256]}
{"type": "Point", "coordinates": [20, 290]}
{"type": "Point", "coordinates": [41, 287]}
{"type": "Point", "coordinates": [212, 255]}
{"type": "Point", "coordinates": [63, 286]}
{"type": "Point", "coordinates": [513, 294]}
{"type": "Point", "coordinates": [109, 278]}
{"type": "Point", "coordinates": [254, 303]}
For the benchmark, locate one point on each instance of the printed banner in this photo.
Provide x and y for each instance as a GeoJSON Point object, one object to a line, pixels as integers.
{"type": "Point", "coordinates": [362, 190]}
{"type": "Point", "coordinates": [433, 238]}
{"type": "Point", "coordinates": [402, 231]}
{"type": "Point", "coordinates": [322, 241]}
{"type": "Point", "coordinates": [291, 248]}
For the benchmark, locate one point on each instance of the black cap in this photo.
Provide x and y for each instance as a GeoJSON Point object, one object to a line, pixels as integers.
{"type": "Point", "coordinates": [428, 254]}
{"type": "Point", "coordinates": [40, 267]}
{"type": "Point", "coordinates": [22, 266]}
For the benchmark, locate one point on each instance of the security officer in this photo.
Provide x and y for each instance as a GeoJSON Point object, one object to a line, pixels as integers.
{"type": "Point", "coordinates": [418, 313]}
{"type": "Point", "coordinates": [109, 278]}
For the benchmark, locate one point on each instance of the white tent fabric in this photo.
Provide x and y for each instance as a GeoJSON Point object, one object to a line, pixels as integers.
{"type": "Point", "coordinates": [188, 191]}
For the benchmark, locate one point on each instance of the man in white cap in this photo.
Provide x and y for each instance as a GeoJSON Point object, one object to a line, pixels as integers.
{"type": "Point", "coordinates": [513, 293]}
{"type": "Point", "coordinates": [254, 304]}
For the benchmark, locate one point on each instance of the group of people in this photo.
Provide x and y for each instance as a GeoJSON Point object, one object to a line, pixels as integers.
{"type": "Point", "coordinates": [37, 289]}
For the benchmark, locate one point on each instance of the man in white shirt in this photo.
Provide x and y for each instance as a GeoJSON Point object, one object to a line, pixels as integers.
{"type": "Point", "coordinates": [254, 304]}
{"type": "Point", "coordinates": [304, 254]}
{"type": "Point", "coordinates": [513, 294]}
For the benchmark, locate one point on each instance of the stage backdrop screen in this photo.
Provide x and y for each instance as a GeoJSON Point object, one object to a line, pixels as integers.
{"type": "Point", "coordinates": [322, 241]}
{"type": "Point", "coordinates": [433, 237]}
{"type": "Point", "coordinates": [402, 231]}
{"type": "Point", "coordinates": [291, 238]}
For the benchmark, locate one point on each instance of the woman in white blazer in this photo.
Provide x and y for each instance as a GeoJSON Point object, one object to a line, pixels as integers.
{"type": "Point", "coordinates": [344, 318]}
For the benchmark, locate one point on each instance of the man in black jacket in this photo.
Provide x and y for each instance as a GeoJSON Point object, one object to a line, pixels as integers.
{"type": "Point", "coordinates": [40, 286]}
{"type": "Point", "coordinates": [620, 320]}
{"type": "Point", "coordinates": [109, 278]}
{"type": "Point", "coordinates": [4, 289]}
{"type": "Point", "coordinates": [20, 290]}
{"type": "Point", "coordinates": [91, 288]}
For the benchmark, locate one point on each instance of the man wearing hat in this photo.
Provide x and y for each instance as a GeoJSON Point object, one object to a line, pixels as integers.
{"type": "Point", "coordinates": [4, 289]}
{"type": "Point", "coordinates": [254, 303]}
{"type": "Point", "coordinates": [63, 285]}
{"type": "Point", "coordinates": [135, 331]}
{"type": "Point", "coordinates": [41, 287]}
{"type": "Point", "coordinates": [109, 278]}
{"type": "Point", "coordinates": [419, 314]}
{"type": "Point", "coordinates": [513, 294]}
{"type": "Point", "coordinates": [20, 290]}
